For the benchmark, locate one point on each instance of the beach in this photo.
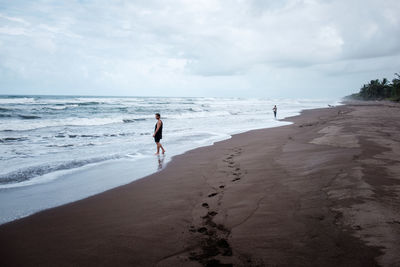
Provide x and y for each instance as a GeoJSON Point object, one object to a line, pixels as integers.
{"type": "Point", "coordinates": [323, 191]}
{"type": "Point", "coordinates": [56, 150]}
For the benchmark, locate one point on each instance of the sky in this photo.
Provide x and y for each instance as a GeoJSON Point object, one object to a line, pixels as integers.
{"type": "Point", "coordinates": [253, 48]}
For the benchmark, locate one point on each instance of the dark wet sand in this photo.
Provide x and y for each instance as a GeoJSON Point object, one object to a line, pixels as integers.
{"type": "Point", "coordinates": [324, 191]}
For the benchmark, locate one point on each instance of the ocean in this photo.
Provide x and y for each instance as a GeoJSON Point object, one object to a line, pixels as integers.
{"type": "Point", "coordinates": [59, 149]}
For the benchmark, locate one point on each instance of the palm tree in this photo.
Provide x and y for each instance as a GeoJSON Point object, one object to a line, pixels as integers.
{"type": "Point", "coordinates": [383, 89]}
{"type": "Point", "coordinates": [396, 87]}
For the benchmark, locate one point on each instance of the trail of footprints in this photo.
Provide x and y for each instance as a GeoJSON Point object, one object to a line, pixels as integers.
{"type": "Point", "coordinates": [213, 238]}
{"type": "Point", "coordinates": [236, 170]}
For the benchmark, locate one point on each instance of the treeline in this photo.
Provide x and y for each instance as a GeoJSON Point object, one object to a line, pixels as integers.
{"type": "Point", "coordinates": [380, 90]}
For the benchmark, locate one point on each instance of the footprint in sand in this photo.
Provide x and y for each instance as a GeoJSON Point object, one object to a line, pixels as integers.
{"type": "Point", "coordinates": [212, 195]}
{"type": "Point", "coordinates": [202, 230]}
{"type": "Point", "coordinates": [212, 213]}
{"type": "Point", "coordinates": [226, 249]}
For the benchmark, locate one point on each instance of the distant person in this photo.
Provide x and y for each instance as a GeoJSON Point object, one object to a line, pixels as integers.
{"type": "Point", "coordinates": [275, 109]}
{"type": "Point", "coordinates": [158, 134]}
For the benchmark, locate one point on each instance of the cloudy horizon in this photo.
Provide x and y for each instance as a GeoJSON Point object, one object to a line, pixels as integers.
{"type": "Point", "coordinates": [293, 48]}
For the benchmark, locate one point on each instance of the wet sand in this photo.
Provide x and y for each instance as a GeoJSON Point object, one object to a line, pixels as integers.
{"type": "Point", "coordinates": [324, 191]}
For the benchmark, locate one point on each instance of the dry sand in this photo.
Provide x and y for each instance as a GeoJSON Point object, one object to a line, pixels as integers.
{"type": "Point", "coordinates": [321, 192]}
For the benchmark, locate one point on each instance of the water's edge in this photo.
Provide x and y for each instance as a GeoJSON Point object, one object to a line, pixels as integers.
{"type": "Point", "coordinates": [52, 194]}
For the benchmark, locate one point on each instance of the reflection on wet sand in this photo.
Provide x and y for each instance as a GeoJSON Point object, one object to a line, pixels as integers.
{"type": "Point", "coordinates": [160, 161]}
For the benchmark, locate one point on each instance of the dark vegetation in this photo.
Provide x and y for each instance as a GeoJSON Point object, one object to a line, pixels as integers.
{"type": "Point", "coordinates": [380, 90]}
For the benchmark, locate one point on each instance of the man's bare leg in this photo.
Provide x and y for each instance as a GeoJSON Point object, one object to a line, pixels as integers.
{"type": "Point", "coordinates": [162, 148]}
{"type": "Point", "coordinates": [158, 149]}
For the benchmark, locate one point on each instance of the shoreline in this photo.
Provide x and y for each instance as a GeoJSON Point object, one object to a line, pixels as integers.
{"type": "Point", "coordinates": [298, 195]}
{"type": "Point", "coordinates": [69, 179]}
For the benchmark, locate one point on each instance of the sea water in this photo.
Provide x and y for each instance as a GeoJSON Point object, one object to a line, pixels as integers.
{"type": "Point", "coordinates": [59, 149]}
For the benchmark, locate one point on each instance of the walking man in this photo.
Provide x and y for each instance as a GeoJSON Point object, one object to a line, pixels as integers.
{"type": "Point", "coordinates": [158, 133]}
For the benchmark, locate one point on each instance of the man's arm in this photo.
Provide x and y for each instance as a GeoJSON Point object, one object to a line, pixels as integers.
{"type": "Point", "coordinates": [158, 128]}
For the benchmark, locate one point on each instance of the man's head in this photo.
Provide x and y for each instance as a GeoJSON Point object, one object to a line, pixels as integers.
{"type": "Point", "coordinates": [157, 115]}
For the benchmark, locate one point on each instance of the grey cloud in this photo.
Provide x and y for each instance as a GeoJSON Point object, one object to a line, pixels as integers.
{"type": "Point", "coordinates": [194, 47]}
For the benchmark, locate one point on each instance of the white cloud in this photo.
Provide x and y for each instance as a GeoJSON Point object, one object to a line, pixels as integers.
{"type": "Point", "coordinates": [14, 19]}
{"type": "Point", "coordinates": [196, 47]}
{"type": "Point", "coordinates": [13, 30]}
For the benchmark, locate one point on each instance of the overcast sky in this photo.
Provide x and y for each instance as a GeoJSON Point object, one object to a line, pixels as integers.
{"type": "Point", "coordinates": [294, 48]}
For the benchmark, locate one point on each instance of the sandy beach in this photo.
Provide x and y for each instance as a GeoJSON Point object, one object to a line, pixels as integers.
{"type": "Point", "coordinates": [323, 191]}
